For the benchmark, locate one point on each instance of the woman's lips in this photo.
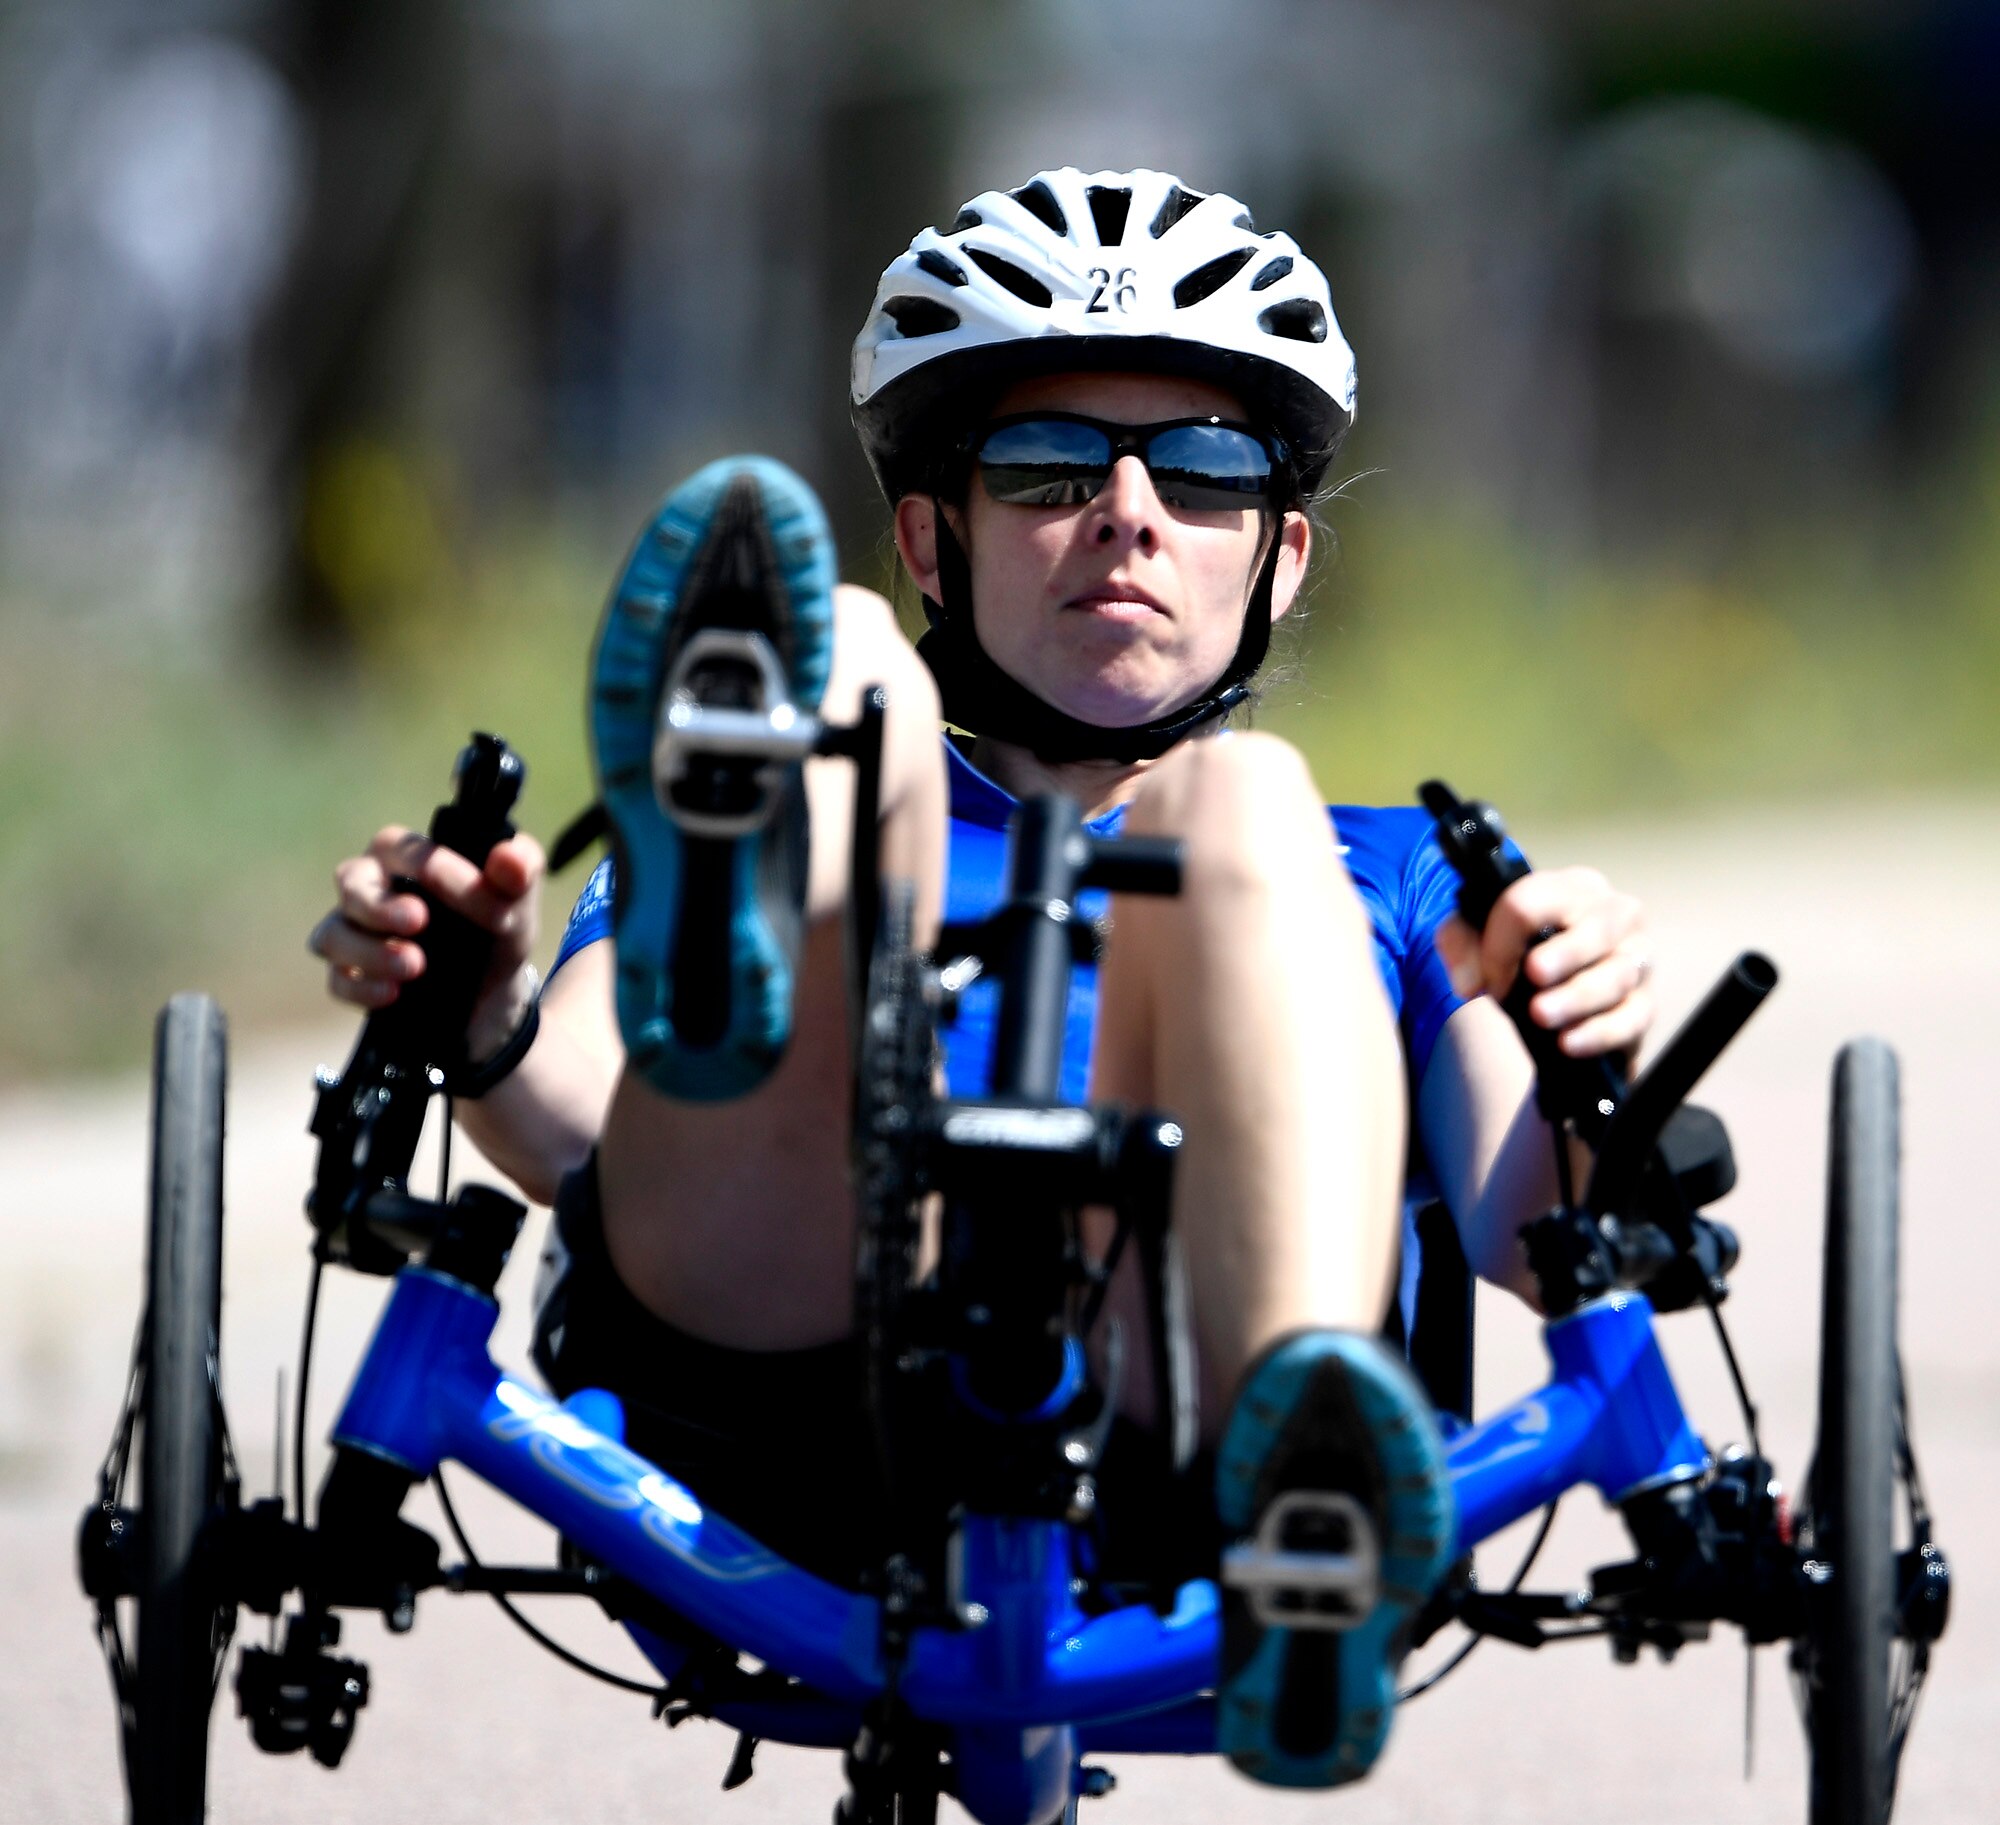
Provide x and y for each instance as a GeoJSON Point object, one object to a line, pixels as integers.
{"type": "Point", "coordinates": [1116, 604]}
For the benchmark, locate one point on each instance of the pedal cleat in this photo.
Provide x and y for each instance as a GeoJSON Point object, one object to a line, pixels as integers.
{"type": "Point", "coordinates": [1331, 1475]}
{"type": "Point", "coordinates": [705, 690]}
{"type": "Point", "coordinates": [718, 771]}
{"type": "Point", "coordinates": [1315, 1563]}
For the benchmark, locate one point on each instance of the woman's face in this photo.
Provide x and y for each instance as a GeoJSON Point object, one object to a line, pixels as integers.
{"type": "Point", "coordinates": [1122, 609]}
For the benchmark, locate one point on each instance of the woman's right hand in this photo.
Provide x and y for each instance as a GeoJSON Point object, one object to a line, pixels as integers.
{"type": "Point", "coordinates": [369, 939]}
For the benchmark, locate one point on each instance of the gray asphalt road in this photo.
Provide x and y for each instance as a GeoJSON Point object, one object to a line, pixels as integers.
{"type": "Point", "coordinates": [1880, 926]}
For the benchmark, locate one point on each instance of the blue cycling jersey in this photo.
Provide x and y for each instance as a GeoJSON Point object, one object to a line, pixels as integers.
{"type": "Point", "coordinates": [1391, 854]}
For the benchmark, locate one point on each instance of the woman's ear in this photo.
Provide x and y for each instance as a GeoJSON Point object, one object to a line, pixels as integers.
{"type": "Point", "coordinates": [916, 541]}
{"type": "Point", "coordinates": [1294, 553]}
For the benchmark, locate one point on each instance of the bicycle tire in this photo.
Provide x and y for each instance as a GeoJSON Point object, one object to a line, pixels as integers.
{"type": "Point", "coordinates": [182, 1628]}
{"type": "Point", "coordinates": [1844, 1654]}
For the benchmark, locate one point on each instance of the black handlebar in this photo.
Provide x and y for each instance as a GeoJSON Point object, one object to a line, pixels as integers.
{"type": "Point", "coordinates": [1135, 864]}
{"type": "Point", "coordinates": [1631, 1137]}
{"type": "Point", "coordinates": [426, 1023]}
{"type": "Point", "coordinates": [1051, 858]}
{"type": "Point", "coordinates": [1474, 841]}
{"type": "Point", "coordinates": [369, 1119]}
{"type": "Point", "coordinates": [1584, 1092]}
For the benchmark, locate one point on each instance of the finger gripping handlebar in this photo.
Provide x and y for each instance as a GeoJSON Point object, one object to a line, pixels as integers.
{"type": "Point", "coordinates": [426, 1024]}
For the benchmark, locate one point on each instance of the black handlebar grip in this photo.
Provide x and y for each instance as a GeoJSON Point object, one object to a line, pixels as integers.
{"type": "Point", "coordinates": [1474, 841]}
{"type": "Point", "coordinates": [489, 778]}
{"type": "Point", "coordinates": [1585, 1091]}
{"type": "Point", "coordinates": [428, 1019]}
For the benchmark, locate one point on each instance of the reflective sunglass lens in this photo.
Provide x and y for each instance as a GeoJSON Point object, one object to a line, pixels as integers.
{"type": "Point", "coordinates": [1045, 463]}
{"type": "Point", "coordinates": [1058, 462]}
{"type": "Point", "coordinates": [1209, 467]}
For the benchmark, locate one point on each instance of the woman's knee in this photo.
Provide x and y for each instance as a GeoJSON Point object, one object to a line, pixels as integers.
{"type": "Point", "coordinates": [1236, 801]}
{"type": "Point", "coordinates": [1254, 834]}
{"type": "Point", "coordinates": [870, 648]}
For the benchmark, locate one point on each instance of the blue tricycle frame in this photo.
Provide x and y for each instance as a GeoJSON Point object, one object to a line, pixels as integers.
{"type": "Point", "coordinates": [1037, 1683]}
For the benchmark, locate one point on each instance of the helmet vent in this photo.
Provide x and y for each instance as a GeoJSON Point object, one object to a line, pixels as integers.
{"type": "Point", "coordinates": [921, 316]}
{"type": "Point", "coordinates": [1006, 274]}
{"type": "Point", "coordinates": [1268, 275]}
{"type": "Point", "coordinates": [1206, 280]}
{"type": "Point", "coordinates": [1108, 209]}
{"type": "Point", "coordinates": [1179, 203]}
{"type": "Point", "coordinates": [1040, 202]}
{"type": "Point", "coordinates": [1297, 319]}
{"type": "Point", "coordinates": [966, 218]}
{"type": "Point", "coordinates": [939, 267]}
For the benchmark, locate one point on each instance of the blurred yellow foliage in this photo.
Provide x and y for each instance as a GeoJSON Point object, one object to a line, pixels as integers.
{"type": "Point", "coordinates": [376, 540]}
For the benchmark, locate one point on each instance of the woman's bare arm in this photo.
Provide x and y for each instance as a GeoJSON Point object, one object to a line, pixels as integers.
{"type": "Point", "coordinates": [543, 1119]}
{"type": "Point", "coordinates": [1485, 1139]}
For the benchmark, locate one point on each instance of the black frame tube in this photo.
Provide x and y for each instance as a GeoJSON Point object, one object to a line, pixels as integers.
{"type": "Point", "coordinates": [1047, 855]}
{"type": "Point", "coordinates": [1633, 1130]}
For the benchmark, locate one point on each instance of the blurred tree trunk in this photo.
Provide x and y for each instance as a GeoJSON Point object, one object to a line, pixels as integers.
{"type": "Point", "coordinates": [377, 82]}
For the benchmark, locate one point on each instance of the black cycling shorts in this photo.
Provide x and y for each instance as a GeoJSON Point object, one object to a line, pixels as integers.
{"type": "Point", "coordinates": [779, 1440]}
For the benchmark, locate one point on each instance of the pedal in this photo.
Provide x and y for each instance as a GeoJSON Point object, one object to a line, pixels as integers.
{"type": "Point", "coordinates": [727, 728]}
{"type": "Point", "coordinates": [1314, 1564]}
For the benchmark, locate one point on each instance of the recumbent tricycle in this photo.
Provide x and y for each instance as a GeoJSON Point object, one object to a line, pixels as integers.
{"type": "Point", "coordinates": [990, 1670]}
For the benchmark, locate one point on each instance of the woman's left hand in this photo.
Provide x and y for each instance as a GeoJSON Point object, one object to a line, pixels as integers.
{"type": "Point", "coordinates": [1591, 977]}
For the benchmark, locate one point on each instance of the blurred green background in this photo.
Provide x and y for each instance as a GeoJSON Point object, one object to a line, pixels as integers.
{"type": "Point", "coordinates": [344, 347]}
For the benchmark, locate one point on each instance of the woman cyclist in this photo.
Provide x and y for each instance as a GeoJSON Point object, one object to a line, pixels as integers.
{"type": "Point", "coordinates": [1099, 407]}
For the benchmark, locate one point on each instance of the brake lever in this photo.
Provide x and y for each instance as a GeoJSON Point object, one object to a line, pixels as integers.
{"type": "Point", "coordinates": [1584, 1092]}
{"type": "Point", "coordinates": [369, 1118]}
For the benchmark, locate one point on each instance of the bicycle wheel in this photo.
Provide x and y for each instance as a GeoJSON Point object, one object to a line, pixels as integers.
{"type": "Point", "coordinates": [183, 1628]}
{"type": "Point", "coordinates": [1848, 1534]}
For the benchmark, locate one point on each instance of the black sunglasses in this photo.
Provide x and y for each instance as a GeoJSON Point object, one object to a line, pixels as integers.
{"type": "Point", "coordinates": [1060, 459]}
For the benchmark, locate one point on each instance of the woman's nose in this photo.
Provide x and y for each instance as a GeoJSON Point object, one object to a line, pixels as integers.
{"type": "Point", "coordinates": [1128, 509]}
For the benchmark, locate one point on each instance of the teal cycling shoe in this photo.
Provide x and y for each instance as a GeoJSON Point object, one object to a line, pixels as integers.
{"type": "Point", "coordinates": [1331, 1477]}
{"type": "Point", "coordinates": [723, 617]}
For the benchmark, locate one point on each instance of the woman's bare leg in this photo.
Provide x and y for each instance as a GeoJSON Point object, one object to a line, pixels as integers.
{"type": "Point", "coordinates": [1250, 1008]}
{"type": "Point", "coordinates": [734, 1221]}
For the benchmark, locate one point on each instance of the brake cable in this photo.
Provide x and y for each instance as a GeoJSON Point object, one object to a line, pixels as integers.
{"type": "Point", "coordinates": [660, 1694]}
{"type": "Point", "coordinates": [1513, 1584]}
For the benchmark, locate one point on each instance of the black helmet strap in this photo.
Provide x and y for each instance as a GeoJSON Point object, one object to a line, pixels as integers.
{"type": "Point", "coordinates": [980, 697]}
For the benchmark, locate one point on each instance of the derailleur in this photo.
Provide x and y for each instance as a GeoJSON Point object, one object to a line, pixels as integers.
{"type": "Point", "coordinates": [1717, 1550]}
{"type": "Point", "coordinates": [304, 1697]}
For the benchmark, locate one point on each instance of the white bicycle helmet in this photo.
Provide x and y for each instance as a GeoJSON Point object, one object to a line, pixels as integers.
{"type": "Point", "coordinates": [1112, 270]}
